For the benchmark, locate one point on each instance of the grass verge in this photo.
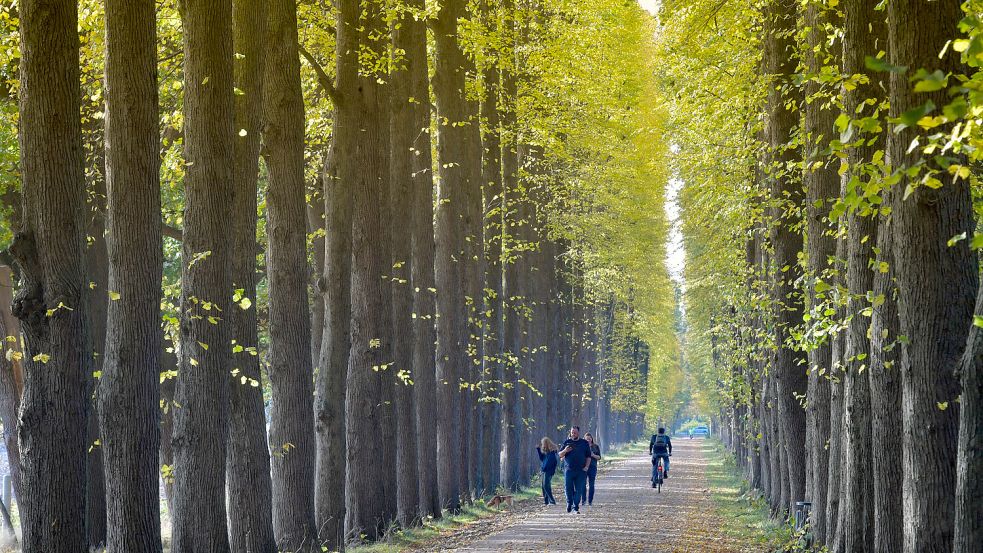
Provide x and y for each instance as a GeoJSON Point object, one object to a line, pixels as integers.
{"type": "Point", "coordinates": [743, 513]}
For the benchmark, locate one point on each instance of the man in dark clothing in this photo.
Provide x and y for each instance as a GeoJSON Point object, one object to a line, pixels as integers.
{"type": "Point", "coordinates": [660, 447]}
{"type": "Point", "coordinates": [575, 451]}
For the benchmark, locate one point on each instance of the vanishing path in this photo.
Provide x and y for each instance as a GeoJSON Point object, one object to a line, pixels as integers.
{"type": "Point", "coordinates": [628, 515]}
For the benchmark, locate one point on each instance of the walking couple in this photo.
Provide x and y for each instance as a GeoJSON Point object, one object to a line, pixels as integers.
{"type": "Point", "coordinates": [580, 456]}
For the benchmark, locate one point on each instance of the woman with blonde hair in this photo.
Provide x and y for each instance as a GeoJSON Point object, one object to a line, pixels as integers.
{"type": "Point", "coordinates": [547, 464]}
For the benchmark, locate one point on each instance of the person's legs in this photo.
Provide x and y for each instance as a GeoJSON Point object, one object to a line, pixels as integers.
{"type": "Point", "coordinates": [655, 469]}
{"type": "Point", "coordinates": [570, 487]}
{"type": "Point", "coordinates": [591, 478]}
{"type": "Point", "coordinates": [581, 489]}
{"type": "Point", "coordinates": [665, 458]}
{"type": "Point", "coordinates": [548, 477]}
{"type": "Point", "coordinates": [544, 487]}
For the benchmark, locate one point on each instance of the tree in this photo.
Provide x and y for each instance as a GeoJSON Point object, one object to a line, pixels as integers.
{"type": "Point", "coordinates": [414, 31]}
{"type": "Point", "coordinates": [822, 184]}
{"type": "Point", "coordinates": [493, 350]}
{"type": "Point", "coordinates": [360, 122]}
{"type": "Point", "coordinates": [937, 283]}
{"type": "Point", "coordinates": [129, 395]}
{"type": "Point", "coordinates": [454, 129]}
{"type": "Point", "coordinates": [201, 423]}
{"type": "Point", "coordinates": [50, 303]}
{"type": "Point", "coordinates": [248, 465]}
{"type": "Point", "coordinates": [404, 125]}
{"type": "Point", "coordinates": [291, 414]}
{"type": "Point", "coordinates": [786, 194]}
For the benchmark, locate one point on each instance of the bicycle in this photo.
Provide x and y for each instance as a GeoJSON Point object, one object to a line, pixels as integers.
{"type": "Point", "coordinates": [658, 474]}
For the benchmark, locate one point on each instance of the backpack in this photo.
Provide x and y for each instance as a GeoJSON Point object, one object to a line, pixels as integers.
{"type": "Point", "coordinates": [660, 444]}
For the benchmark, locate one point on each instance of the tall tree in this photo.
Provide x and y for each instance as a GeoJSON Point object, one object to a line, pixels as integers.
{"type": "Point", "coordinates": [248, 466]}
{"type": "Point", "coordinates": [937, 283]}
{"type": "Point", "coordinates": [822, 184]}
{"type": "Point", "coordinates": [291, 374]}
{"type": "Point", "coordinates": [862, 30]}
{"type": "Point", "coordinates": [404, 130]}
{"type": "Point", "coordinates": [494, 227]}
{"type": "Point", "coordinates": [414, 31]}
{"type": "Point", "coordinates": [201, 423]}
{"type": "Point", "coordinates": [786, 194]}
{"type": "Point", "coordinates": [454, 130]}
{"type": "Point", "coordinates": [49, 249]}
{"type": "Point", "coordinates": [360, 122]}
{"type": "Point", "coordinates": [129, 393]}
{"type": "Point", "coordinates": [332, 369]}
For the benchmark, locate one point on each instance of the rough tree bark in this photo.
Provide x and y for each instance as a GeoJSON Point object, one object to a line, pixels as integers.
{"type": "Point", "coordinates": [404, 130]}
{"type": "Point", "coordinates": [201, 423]}
{"type": "Point", "coordinates": [424, 301]}
{"type": "Point", "coordinates": [291, 382]}
{"type": "Point", "coordinates": [129, 393]}
{"type": "Point", "coordinates": [863, 36]}
{"type": "Point", "coordinates": [494, 227]}
{"type": "Point", "coordinates": [790, 363]}
{"type": "Point", "coordinates": [248, 457]}
{"type": "Point", "coordinates": [969, 469]}
{"type": "Point", "coordinates": [937, 282]}
{"type": "Point", "coordinates": [822, 184]}
{"type": "Point", "coordinates": [49, 250]}
{"type": "Point", "coordinates": [885, 394]}
{"type": "Point", "coordinates": [332, 369]}
{"type": "Point", "coordinates": [454, 130]}
{"type": "Point", "coordinates": [360, 120]}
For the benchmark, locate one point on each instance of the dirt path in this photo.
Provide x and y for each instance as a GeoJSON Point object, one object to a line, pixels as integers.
{"type": "Point", "coordinates": [628, 515]}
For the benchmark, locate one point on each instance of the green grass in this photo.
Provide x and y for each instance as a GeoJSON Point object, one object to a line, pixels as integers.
{"type": "Point", "coordinates": [743, 513]}
{"type": "Point", "coordinates": [398, 540]}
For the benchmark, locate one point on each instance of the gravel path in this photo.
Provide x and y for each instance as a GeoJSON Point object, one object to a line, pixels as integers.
{"type": "Point", "coordinates": [628, 515]}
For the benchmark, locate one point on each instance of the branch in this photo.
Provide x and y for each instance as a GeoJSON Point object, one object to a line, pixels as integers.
{"type": "Point", "coordinates": [322, 78]}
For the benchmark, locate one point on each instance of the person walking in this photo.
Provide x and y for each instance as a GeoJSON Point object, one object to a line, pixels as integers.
{"type": "Point", "coordinates": [547, 464]}
{"type": "Point", "coordinates": [595, 456]}
{"type": "Point", "coordinates": [576, 454]}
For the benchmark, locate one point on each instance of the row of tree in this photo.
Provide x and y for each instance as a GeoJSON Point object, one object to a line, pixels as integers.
{"type": "Point", "coordinates": [830, 219]}
{"type": "Point", "coordinates": [319, 295]}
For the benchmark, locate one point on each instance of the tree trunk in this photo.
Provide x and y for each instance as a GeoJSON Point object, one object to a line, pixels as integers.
{"type": "Point", "coordinates": [404, 129]}
{"type": "Point", "coordinates": [97, 302]}
{"type": "Point", "coordinates": [291, 374]}
{"type": "Point", "coordinates": [969, 483]}
{"type": "Point", "coordinates": [937, 282]}
{"type": "Point", "coordinates": [49, 250]}
{"type": "Point", "coordinates": [822, 184]}
{"type": "Point", "coordinates": [11, 377]}
{"type": "Point", "coordinates": [790, 374]}
{"type": "Point", "coordinates": [494, 227]}
{"type": "Point", "coordinates": [423, 249]}
{"type": "Point", "coordinates": [455, 130]}
{"type": "Point", "coordinates": [201, 423]}
{"type": "Point", "coordinates": [885, 395]}
{"type": "Point", "coordinates": [329, 399]}
{"type": "Point", "coordinates": [836, 376]}
{"type": "Point", "coordinates": [248, 457]}
{"type": "Point", "coordinates": [360, 120]}
{"type": "Point", "coordinates": [129, 394]}
{"type": "Point", "coordinates": [863, 35]}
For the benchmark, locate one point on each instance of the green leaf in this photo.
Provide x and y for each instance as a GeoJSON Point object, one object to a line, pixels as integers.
{"type": "Point", "coordinates": [880, 64]}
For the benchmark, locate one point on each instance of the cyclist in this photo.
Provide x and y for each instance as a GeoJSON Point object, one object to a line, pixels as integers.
{"type": "Point", "coordinates": [660, 447]}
